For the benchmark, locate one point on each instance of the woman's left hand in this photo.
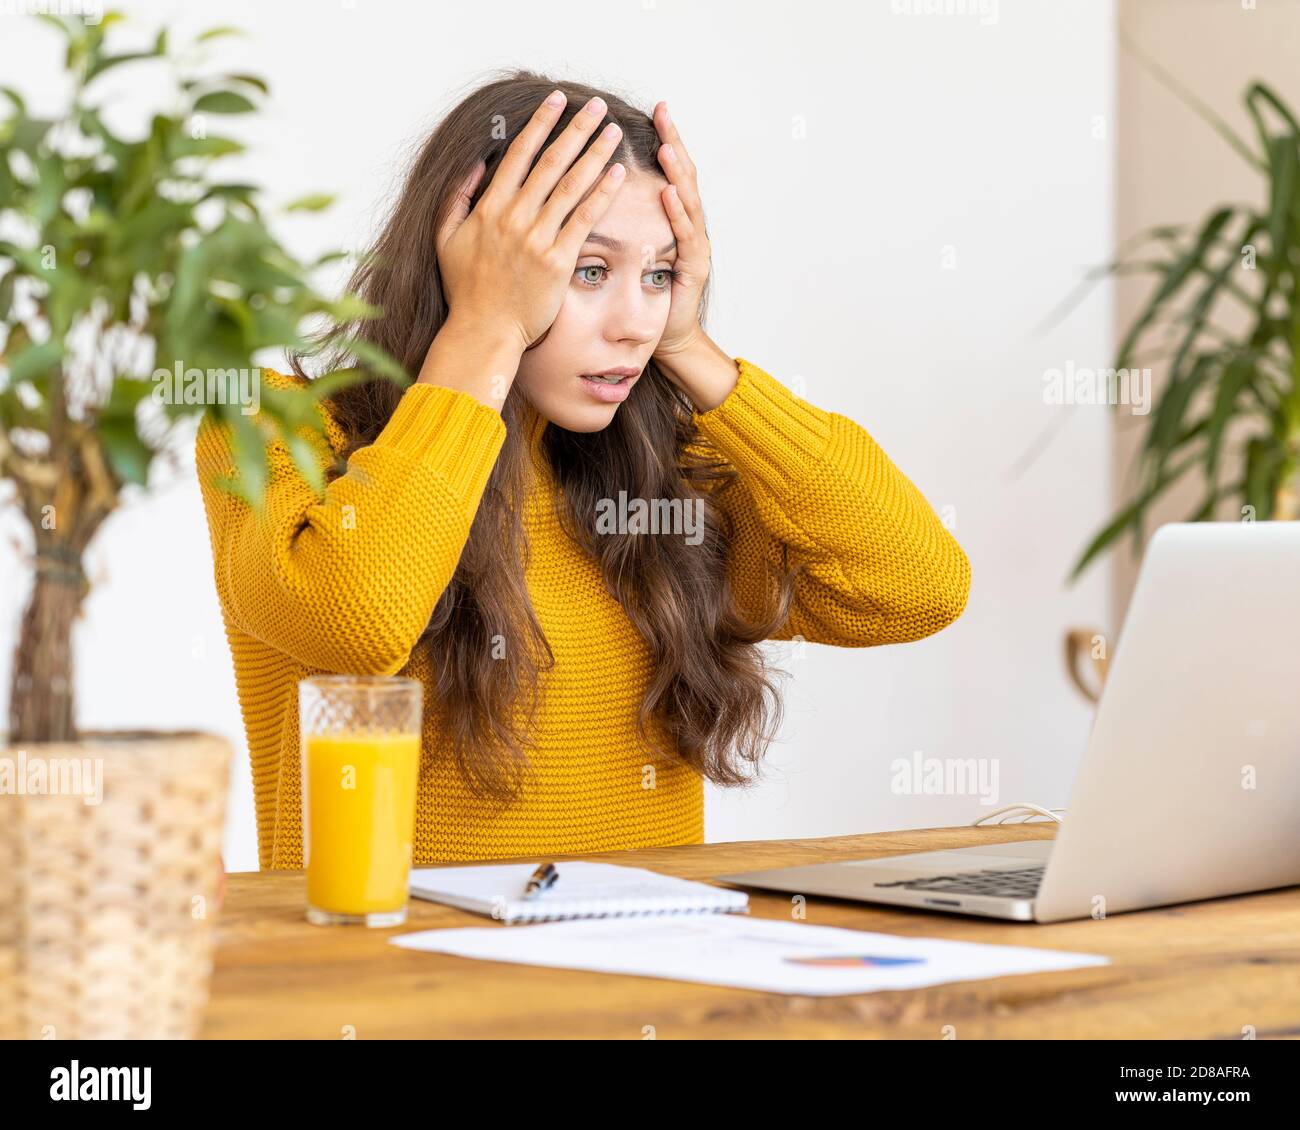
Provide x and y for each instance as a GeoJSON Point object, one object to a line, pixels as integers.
{"type": "Point", "coordinates": [681, 201]}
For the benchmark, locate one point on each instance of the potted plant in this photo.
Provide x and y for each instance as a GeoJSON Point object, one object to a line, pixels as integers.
{"type": "Point", "coordinates": [1223, 382]}
{"type": "Point", "coordinates": [136, 287]}
{"type": "Point", "coordinates": [1230, 407]}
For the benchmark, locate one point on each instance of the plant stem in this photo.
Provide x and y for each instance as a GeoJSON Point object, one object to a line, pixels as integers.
{"type": "Point", "coordinates": [41, 693]}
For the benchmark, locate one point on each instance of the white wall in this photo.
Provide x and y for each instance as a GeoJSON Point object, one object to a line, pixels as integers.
{"type": "Point", "coordinates": [849, 156]}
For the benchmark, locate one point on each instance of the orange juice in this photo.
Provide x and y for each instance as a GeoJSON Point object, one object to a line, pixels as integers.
{"type": "Point", "coordinates": [360, 820]}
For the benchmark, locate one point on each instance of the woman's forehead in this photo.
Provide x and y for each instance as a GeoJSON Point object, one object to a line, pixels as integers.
{"type": "Point", "coordinates": [635, 221]}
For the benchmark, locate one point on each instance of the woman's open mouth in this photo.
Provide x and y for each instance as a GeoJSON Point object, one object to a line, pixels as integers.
{"type": "Point", "coordinates": [610, 388]}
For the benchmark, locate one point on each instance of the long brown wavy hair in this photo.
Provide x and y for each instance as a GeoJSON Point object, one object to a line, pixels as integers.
{"type": "Point", "coordinates": [710, 685]}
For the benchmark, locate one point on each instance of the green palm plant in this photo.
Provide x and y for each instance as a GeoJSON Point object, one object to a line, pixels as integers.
{"type": "Point", "coordinates": [1222, 384]}
{"type": "Point", "coordinates": [122, 258]}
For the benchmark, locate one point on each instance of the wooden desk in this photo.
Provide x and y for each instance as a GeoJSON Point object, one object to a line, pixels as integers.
{"type": "Point", "coordinates": [1200, 970]}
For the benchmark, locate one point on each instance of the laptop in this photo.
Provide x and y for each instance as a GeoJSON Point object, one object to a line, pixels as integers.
{"type": "Point", "coordinates": [1190, 784]}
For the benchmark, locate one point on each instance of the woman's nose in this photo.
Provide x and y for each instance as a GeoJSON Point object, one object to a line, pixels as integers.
{"type": "Point", "coordinates": [634, 315]}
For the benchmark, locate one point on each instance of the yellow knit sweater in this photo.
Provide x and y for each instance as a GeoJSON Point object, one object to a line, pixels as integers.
{"type": "Point", "coordinates": [346, 583]}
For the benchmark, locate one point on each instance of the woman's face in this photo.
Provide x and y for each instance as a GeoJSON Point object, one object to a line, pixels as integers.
{"type": "Point", "coordinates": [613, 314]}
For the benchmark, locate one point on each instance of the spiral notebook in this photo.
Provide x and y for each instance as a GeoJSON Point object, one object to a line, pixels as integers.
{"type": "Point", "coordinates": [583, 890]}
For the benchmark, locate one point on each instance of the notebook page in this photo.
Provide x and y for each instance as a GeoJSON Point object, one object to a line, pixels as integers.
{"type": "Point", "coordinates": [583, 887]}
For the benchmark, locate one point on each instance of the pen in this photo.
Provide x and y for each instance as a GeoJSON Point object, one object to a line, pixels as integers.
{"type": "Point", "coordinates": [542, 879]}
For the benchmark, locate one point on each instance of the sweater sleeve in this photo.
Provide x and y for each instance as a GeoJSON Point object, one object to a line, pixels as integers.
{"type": "Point", "coordinates": [347, 582]}
{"type": "Point", "coordinates": [813, 488]}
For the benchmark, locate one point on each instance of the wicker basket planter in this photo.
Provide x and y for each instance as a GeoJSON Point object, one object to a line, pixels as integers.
{"type": "Point", "coordinates": [107, 903]}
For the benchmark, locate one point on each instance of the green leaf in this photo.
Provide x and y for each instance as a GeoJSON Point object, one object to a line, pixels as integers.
{"type": "Point", "coordinates": [1213, 120]}
{"type": "Point", "coordinates": [249, 447]}
{"type": "Point", "coordinates": [123, 397]}
{"type": "Point", "coordinates": [65, 26]}
{"type": "Point", "coordinates": [183, 146]}
{"type": "Point", "coordinates": [1263, 460]}
{"type": "Point", "coordinates": [315, 202]}
{"type": "Point", "coordinates": [291, 406]}
{"type": "Point", "coordinates": [336, 381]}
{"type": "Point", "coordinates": [92, 125]}
{"type": "Point", "coordinates": [107, 63]}
{"type": "Point", "coordinates": [1282, 161]}
{"type": "Point", "coordinates": [218, 32]}
{"type": "Point", "coordinates": [34, 360]}
{"type": "Point", "coordinates": [250, 80]}
{"type": "Point", "coordinates": [1177, 272]}
{"type": "Point", "coordinates": [128, 454]}
{"type": "Point", "coordinates": [1198, 316]}
{"type": "Point", "coordinates": [50, 188]}
{"type": "Point", "coordinates": [329, 257]}
{"type": "Point", "coordinates": [1205, 512]}
{"type": "Point", "coordinates": [1130, 515]}
{"type": "Point", "coordinates": [305, 459]}
{"type": "Point", "coordinates": [223, 102]}
{"type": "Point", "coordinates": [1162, 432]}
{"type": "Point", "coordinates": [243, 192]}
{"type": "Point", "coordinates": [1256, 93]}
{"type": "Point", "coordinates": [351, 307]}
{"type": "Point", "coordinates": [1236, 376]}
{"type": "Point", "coordinates": [376, 359]}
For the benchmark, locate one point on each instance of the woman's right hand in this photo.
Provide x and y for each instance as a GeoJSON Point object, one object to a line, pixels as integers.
{"type": "Point", "coordinates": [508, 263]}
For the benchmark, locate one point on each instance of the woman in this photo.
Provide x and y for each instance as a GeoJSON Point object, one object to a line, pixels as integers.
{"type": "Point", "coordinates": [584, 668]}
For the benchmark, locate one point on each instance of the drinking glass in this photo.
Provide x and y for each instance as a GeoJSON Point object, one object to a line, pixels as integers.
{"type": "Point", "coordinates": [360, 739]}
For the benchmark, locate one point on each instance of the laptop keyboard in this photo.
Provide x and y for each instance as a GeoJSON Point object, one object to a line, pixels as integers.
{"type": "Point", "coordinates": [1020, 882]}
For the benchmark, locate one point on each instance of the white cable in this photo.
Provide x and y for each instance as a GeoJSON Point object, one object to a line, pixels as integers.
{"type": "Point", "coordinates": [1025, 810]}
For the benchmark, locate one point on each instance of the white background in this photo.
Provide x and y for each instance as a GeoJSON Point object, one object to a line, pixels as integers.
{"type": "Point", "coordinates": [844, 151]}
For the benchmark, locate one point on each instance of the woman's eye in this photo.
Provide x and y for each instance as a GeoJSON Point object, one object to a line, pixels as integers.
{"type": "Point", "coordinates": [663, 276]}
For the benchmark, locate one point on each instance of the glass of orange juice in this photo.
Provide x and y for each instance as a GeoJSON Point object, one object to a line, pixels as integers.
{"type": "Point", "coordinates": [360, 737]}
